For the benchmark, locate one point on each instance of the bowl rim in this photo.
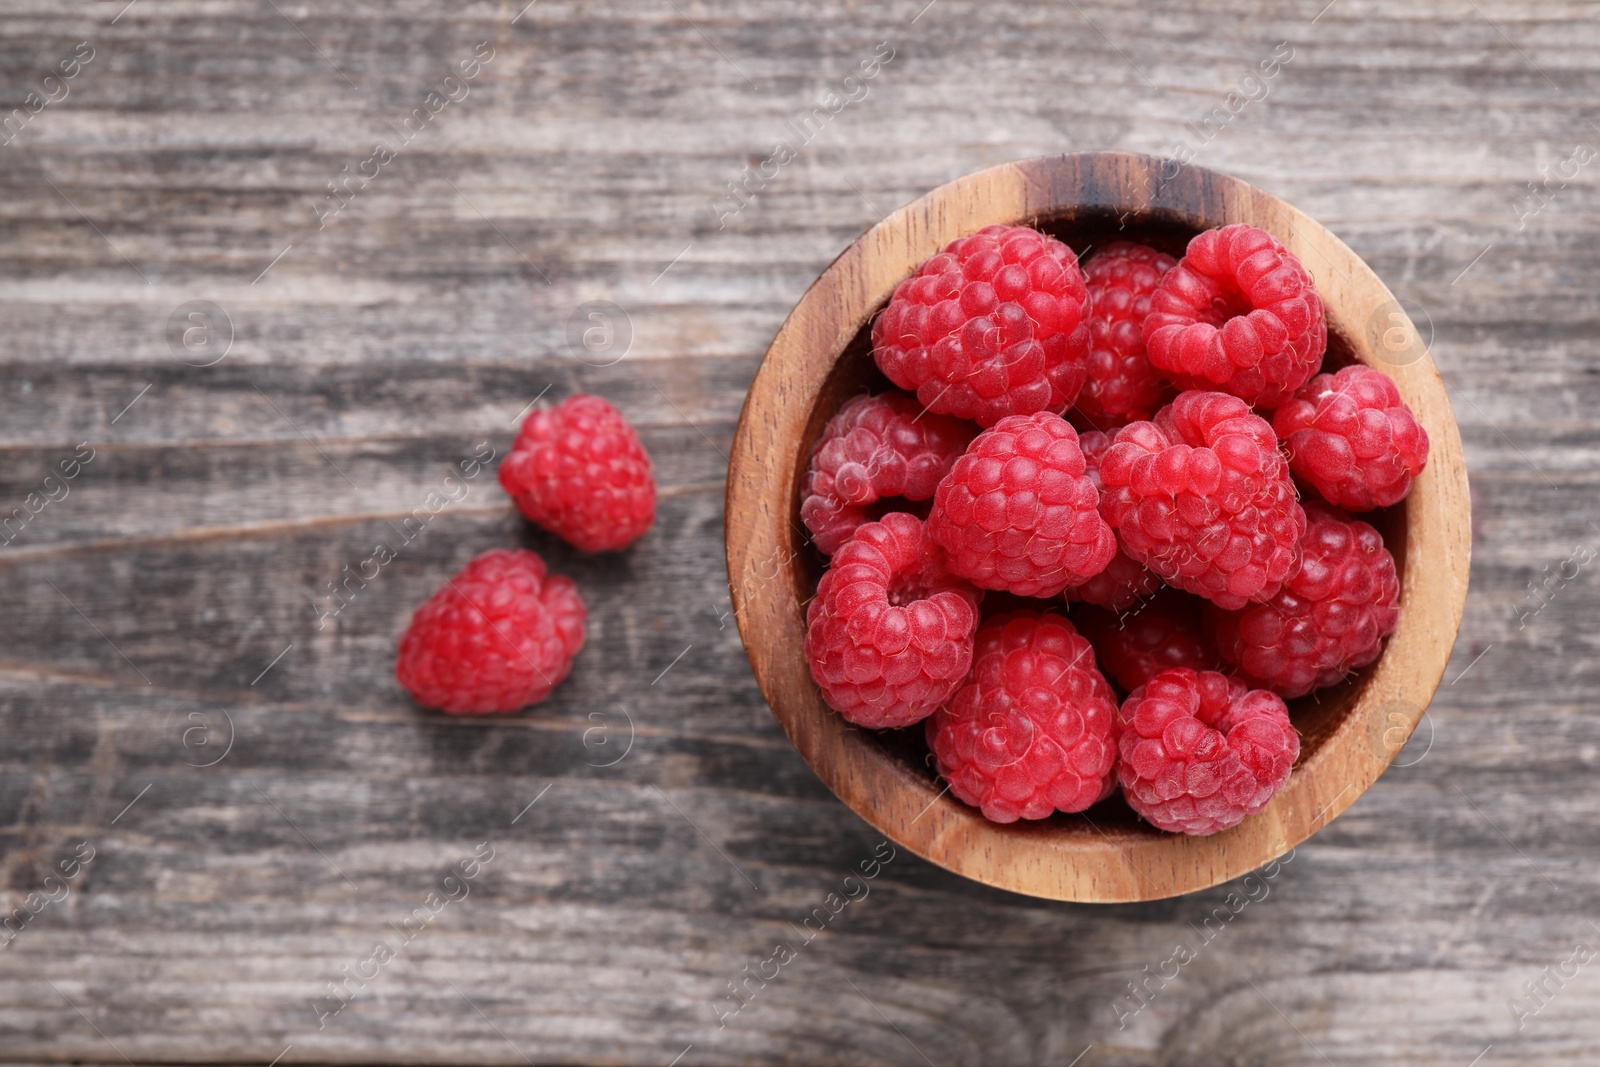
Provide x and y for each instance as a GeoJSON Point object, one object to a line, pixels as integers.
{"type": "Point", "coordinates": [1039, 859]}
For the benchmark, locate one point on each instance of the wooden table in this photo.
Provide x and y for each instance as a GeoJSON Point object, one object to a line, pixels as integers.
{"type": "Point", "coordinates": [221, 801]}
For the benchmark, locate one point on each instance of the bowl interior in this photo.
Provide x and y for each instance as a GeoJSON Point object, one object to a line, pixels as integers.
{"type": "Point", "coordinates": [1316, 716]}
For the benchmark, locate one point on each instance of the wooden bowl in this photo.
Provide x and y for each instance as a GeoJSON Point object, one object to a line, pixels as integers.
{"type": "Point", "coordinates": [822, 356]}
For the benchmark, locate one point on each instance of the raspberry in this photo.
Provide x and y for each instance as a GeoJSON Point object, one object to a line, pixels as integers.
{"type": "Point", "coordinates": [876, 446]}
{"type": "Point", "coordinates": [1200, 750]}
{"type": "Point", "coordinates": [1162, 634]}
{"type": "Point", "coordinates": [994, 325]}
{"type": "Point", "coordinates": [1353, 439]}
{"type": "Point", "coordinates": [1202, 497]}
{"type": "Point", "coordinates": [1330, 618]}
{"type": "Point", "coordinates": [889, 633]}
{"type": "Point", "coordinates": [1125, 581]}
{"type": "Point", "coordinates": [1031, 731]}
{"type": "Point", "coordinates": [1238, 313]}
{"type": "Point", "coordinates": [498, 636]}
{"type": "Point", "coordinates": [1017, 512]}
{"type": "Point", "coordinates": [1121, 387]}
{"type": "Point", "coordinates": [579, 471]}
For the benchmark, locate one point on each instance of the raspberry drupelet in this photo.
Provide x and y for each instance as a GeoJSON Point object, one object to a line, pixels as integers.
{"type": "Point", "coordinates": [1202, 497]}
{"type": "Point", "coordinates": [1352, 439]}
{"type": "Point", "coordinates": [1017, 512]}
{"type": "Point", "coordinates": [1031, 731]}
{"type": "Point", "coordinates": [1199, 751]}
{"type": "Point", "coordinates": [889, 633]}
{"type": "Point", "coordinates": [875, 447]}
{"type": "Point", "coordinates": [579, 471]}
{"type": "Point", "coordinates": [498, 636]}
{"type": "Point", "coordinates": [1238, 313]}
{"type": "Point", "coordinates": [1121, 386]}
{"type": "Point", "coordinates": [1125, 581]}
{"type": "Point", "coordinates": [1329, 619]}
{"type": "Point", "coordinates": [1162, 633]}
{"type": "Point", "coordinates": [994, 325]}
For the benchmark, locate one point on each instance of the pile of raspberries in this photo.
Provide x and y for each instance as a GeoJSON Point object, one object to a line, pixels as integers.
{"type": "Point", "coordinates": [503, 632]}
{"type": "Point", "coordinates": [1192, 505]}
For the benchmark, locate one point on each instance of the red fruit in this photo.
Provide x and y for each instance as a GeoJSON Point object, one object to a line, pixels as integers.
{"type": "Point", "coordinates": [1017, 512]}
{"type": "Point", "coordinates": [1031, 731]}
{"type": "Point", "coordinates": [994, 325]}
{"type": "Point", "coordinates": [1238, 313]}
{"type": "Point", "coordinates": [498, 636]}
{"type": "Point", "coordinates": [1162, 633]}
{"type": "Point", "coordinates": [1122, 386]}
{"type": "Point", "coordinates": [1199, 751]}
{"type": "Point", "coordinates": [875, 447]}
{"type": "Point", "coordinates": [889, 633]}
{"type": "Point", "coordinates": [579, 471]}
{"type": "Point", "coordinates": [1353, 439]}
{"type": "Point", "coordinates": [1202, 497]}
{"type": "Point", "coordinates": [1330, 619]}
{"type": "Point", "coordinates": [1125, 581]}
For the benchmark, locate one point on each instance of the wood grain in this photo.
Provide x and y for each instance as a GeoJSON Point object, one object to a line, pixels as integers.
{"type": "Point", "coordinates": [413, 327]}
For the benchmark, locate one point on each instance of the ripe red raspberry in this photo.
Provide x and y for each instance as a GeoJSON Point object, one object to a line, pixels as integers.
{"type": "Point", "coordinates": [889, 633]}
{"type": "Point", "coordinates": [1238, 313]}
{"type": "Point", "coordinates": [994, 325]}
{"type": "Point", "coordinates": [876, 446]}
{"type": "Point", "coordinates": [1017, 512]}
{"type": "Point", "coordinates": [1125, 581]}
{"type": "Point", "coordinates": [1162, 633]}
{"type": "Point", "coordinates": [498, 636]}
{"type": "Point", "coordinates": [1330, 619]}
{"type": "Point", "coordinates": [1202, 497]}
{"type": "Point", "coordinates": [1030, 732]}
{"type": "Point", "coordinates": [1200, 751]}
{"type": "Point", "coordinates": [1121, 387]}
{"type": "Point", "coordinates": [1353, 439]}
{"type": "Point", "coordinates": [579, 471]}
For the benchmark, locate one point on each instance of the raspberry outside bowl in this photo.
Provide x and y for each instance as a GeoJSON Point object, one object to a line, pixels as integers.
{"type": "Point", "coordinates": [822, 356]}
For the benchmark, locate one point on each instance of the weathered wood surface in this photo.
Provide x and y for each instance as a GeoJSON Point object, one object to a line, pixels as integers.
{"type": "Point", "coordinates": [376, 354]}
